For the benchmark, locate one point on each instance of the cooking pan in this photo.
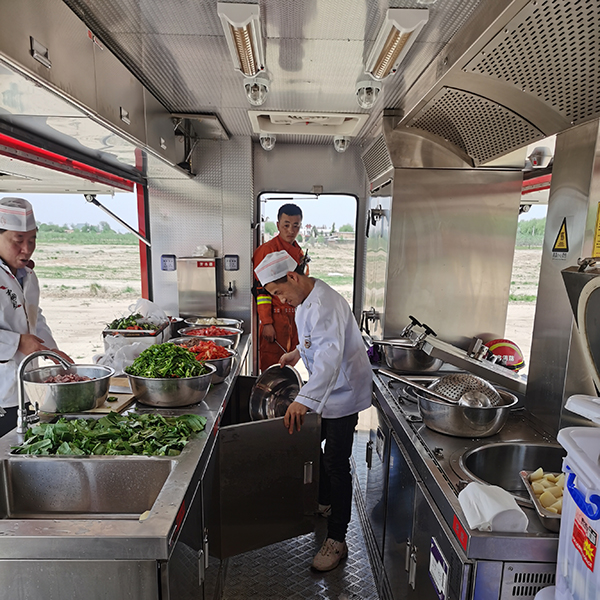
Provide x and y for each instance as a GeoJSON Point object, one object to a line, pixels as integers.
{"type": "Point", "coordinates": [408, 356]}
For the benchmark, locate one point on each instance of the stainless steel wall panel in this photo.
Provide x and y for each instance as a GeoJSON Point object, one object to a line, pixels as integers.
{"type": "Point", "coordinates": [556, 369]}
{"type": "Point", "coordinates": [159, 130]}
{"type": "Point", "coordinates": [70, 51]}
{"type": "Point", "coordinates": [451, 238]}
{"type": "Point", "coordinates": [213, 209]}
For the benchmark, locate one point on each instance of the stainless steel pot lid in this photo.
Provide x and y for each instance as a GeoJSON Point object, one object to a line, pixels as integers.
{"type": "Point", "coordinates": [273, 392]}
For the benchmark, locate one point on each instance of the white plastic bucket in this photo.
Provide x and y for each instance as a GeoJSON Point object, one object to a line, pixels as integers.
{"type": "Point", "coordinates": [578, 566]}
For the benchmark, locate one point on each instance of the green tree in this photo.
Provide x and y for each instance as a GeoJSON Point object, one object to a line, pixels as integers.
{"type": "Point", "coordinates": [346, 228]}
{"type": "Point", "coordinates": [104, 226]}
{"type": "Point", "coordinates": [270, 228]}
{"type": "Point", "coordinates": [333, 228]}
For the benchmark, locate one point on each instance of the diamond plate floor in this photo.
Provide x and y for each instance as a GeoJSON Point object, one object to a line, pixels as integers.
{"type": "Point", "coordinates": [282, 571]}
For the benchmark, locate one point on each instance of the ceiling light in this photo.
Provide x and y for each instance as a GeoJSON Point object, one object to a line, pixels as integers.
{"type": "Point", "coordinates": [367, 93]}
{"type": "Point", "coordinates": [256, 90]}
{"type": "Point", "coordinates": [267, 141]}
{"type": "Point", "coordinates": [241, 24]}
{"type": "Point", "coordinates": [341, 143]}
{"type": "Point", "coordinates": [397, 35]}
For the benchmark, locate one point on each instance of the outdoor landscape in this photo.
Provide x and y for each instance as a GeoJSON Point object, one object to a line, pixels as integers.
{"type": "Point", "coordinates": [90, 276]}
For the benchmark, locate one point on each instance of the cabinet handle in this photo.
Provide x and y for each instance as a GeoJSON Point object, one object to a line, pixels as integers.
{"type": "Point", "coordinates": [205, 548]}
{"type": "Point", "coordinates": [201, 560]}
{"type": "Point", "coordinates": [369, 456]}
{"type": "Point", "coordinates": [407, 555]}
{"type": "Point", "coordinates": [308, 472]}
{"type": "Point", "coordinates": [412, 571]}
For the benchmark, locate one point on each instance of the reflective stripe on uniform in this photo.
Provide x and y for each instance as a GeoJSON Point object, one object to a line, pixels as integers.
{"type": "Point", "coordinates": [264, 300]}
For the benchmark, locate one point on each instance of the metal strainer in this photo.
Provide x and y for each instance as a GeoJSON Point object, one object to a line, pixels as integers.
{"type": "Point", "coordinates": [456, 385]}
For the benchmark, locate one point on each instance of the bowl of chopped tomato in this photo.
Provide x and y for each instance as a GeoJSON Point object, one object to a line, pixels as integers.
{"type": "Point", "coordinates": [229, 333]}
{"type": "Point", "coordinates": [214, 351]}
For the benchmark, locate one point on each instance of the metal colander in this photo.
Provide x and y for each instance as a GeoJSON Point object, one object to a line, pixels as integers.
{"type": "Point", "coordinates": [455, 385]}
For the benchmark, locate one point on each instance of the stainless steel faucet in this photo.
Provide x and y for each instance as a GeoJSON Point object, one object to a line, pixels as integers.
{"type": "Point", "coordinates": [23, 419]}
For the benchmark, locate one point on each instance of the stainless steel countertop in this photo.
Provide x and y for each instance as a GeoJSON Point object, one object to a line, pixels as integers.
{"type": "Point", "coordinates": [118, 539]}
{"type": "Point", "coordinates": [433, 455]}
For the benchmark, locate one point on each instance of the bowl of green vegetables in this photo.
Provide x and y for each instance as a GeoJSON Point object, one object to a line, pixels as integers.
{"type": "Point", "coordinates": [166, 376]}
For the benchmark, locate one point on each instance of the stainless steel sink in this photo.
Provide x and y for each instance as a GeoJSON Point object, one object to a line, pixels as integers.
{"type": "Point", "coordinates": [499, 464]}
{"type": "Point", "coordinates": [79, 488]}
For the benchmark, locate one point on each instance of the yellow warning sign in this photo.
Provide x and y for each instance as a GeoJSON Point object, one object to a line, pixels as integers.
{"type": "Point", "coordinates": [596, 250]}
{"type": "Point", "coordinates": [561, 244]}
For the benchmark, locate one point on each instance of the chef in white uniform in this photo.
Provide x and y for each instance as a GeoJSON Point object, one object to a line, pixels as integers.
{"type": "Point", "coordinates": [339, 386]}
{"type": "Point", "coordinates": [23, 329]}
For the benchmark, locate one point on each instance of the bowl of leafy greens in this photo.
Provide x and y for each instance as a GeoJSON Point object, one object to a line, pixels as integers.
{"type": "Point", "coordinates": [166, 375]}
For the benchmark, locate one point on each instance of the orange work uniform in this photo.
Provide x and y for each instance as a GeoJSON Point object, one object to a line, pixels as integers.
{"type": "Point", "coordinates": [272, 311]}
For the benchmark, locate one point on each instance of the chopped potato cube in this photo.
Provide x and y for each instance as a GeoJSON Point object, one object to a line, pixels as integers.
{"type": "Point", "coordinates": [547, 499]}
{"type": "Point", "coordinates": [560, 481]}
{"type": "Point", "coordinates": [545, 483]}
{"type": "Point", "coordinates": [557, 505]}
{"type": "Point", "coordinates": [538, 474]}
{"type": "Point", "coordinates": [550, 477]}
{"type": "Point", "coordinates": [537, 488]}
{"type": "Point", "coordinates": [552, 509]}
{"type": "Point", "coordinates": [556, 491]}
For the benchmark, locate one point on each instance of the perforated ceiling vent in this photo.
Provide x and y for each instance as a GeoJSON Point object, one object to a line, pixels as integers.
{"type": "Point", "coordinates": [377, 159]}
{"type": "Point", "coordinates": [550, 49]}
{"type": "Point", "coordinates": [479, 127]}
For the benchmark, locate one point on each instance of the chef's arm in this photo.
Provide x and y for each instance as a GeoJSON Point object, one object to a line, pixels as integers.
{"type": "Point", "coordinates": [43, 332]}
{"type": "Point", "coordinates": [290, 358]}
{"type": "Point", "coordinates": [9, 344]}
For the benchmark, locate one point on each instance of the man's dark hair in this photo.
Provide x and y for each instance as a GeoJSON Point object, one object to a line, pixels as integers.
{"type": "Point", "coordinates": [291, 210]}
{"type": "Point", "coordinates": [2, 231]}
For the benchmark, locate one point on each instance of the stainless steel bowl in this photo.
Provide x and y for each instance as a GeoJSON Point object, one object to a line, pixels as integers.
{"type": "Point", "coordinates": [217, 321]}
{"type": "Point", "coordinates": [172, 391]}
{"type": "Point", "coordinates": [188, 341]}
{"type": "Point", "coordinates": [466, 421]}
{"type": "Point", "coordinates": [402, 355]}
{"type": "Point", "coordinates": [73, 397]}
{"type": "Point", "coordinates": [234, 334]}
{"type": "Point", "coordinates": [223, 366]}
{"type": "Point", "coordinates": [274, 390]}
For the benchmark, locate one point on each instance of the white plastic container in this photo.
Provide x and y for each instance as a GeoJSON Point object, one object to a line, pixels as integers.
{"type": "Point", "coordinates": [578, 566]}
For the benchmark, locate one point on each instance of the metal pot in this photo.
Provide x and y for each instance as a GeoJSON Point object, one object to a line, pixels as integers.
{"type": "Point", "coordinates": [173, 391]}
{"type": "Point", "coordinates": [406, 356]}
{"type": "Point", "coordinates": [73, 397]}
{"type": "Point", "coordinates": [273, 392]}
{"type": "Point", "coordinates": [466, 421]}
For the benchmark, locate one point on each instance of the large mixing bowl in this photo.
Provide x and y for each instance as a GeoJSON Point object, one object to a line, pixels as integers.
{"type": "Point", "coordinates": [223, 365]}
{"type": "Point", "coordinates": [170, 392]}
{"type": "Point", "coordinates": [466, 421]}
{"type": "Point", "coordinates": [232, 334]}
{"type": "Point", "coordinates": [404, 356]}
{"type": "Point", "coordinates": [275, 389]}
{"type": "Point", "coordinates": [216, 321]}
{"type": "Point", "coordinates": [73, 397]}
{"type": "Point", "coordinates": [188, 341]}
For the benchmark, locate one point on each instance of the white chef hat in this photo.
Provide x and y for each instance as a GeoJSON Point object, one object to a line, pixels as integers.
{"type": "Point", "coordinates": [275, 266]}
{"type": "Point", "coordinates": [16, 214]}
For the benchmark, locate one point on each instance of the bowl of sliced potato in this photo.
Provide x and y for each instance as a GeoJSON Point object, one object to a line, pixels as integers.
{"type": "Point", "coordinates": [546, 492]}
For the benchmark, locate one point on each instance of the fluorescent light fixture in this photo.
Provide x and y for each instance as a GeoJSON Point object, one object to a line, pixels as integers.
{"type": "Point", "coordinates": [241, 24]}
{"type": "Point", "coordinates": [267, 141]}
{"type": "Point", "coordinates": [397, 35]}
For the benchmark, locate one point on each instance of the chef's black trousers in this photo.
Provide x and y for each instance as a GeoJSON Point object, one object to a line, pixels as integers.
{"type": "Point", "coordinates": [335, 480]}
{"type": "Point", "coordinates": [9, 421]}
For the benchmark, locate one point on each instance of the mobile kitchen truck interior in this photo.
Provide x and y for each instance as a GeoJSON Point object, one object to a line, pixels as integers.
{"type": "Point", "coordinates": [422, 110]}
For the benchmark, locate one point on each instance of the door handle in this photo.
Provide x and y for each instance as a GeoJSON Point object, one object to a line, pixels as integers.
{"type": "Point", "coordinates": [369, 456]}
{"type": "Point", "coordinates": [412, 570]}
{"type": "Point", "coordinates": [308, 472]}
{"type": "Point", "coordinates": [407, 555]}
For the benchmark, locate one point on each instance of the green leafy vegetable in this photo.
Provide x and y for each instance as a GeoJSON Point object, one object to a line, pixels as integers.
{"type": "Point", "coordinates": [114, 434]}
{"type": "Point", "coordinates": [131, 322]}
{"type": "Point", "coordinates": [167, 360]}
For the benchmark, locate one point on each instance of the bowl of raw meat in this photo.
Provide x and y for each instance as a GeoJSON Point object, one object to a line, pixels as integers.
{"type": "Point", "coordinates": [72, 390]}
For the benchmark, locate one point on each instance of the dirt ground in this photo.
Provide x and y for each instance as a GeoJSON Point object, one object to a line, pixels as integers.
{"type": "Point", "coordinates": [85, 287]}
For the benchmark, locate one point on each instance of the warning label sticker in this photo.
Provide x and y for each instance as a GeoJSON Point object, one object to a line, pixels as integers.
{"type": "Point", "coordinates": [561, 244]}
{"type": "Point", "coordinates": [585, 540]}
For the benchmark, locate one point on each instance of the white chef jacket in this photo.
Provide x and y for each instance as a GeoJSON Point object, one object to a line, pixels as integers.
{"type": "Point", "coordinates": [333, 351]}
{"type": "Point", "coordinates": [19, 313]}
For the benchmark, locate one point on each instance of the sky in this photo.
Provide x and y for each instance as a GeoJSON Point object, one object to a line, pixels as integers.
{"type": "Point", "coordinates": [61, 209]}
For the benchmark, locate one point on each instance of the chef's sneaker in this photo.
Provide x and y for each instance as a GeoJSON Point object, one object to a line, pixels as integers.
{"type": "Point", "coordinates": [330, 555]}
{"type": "Point", "coordinates": [324, 510]}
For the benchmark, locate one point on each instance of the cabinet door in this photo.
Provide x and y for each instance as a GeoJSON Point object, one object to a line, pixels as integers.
{"type": "Point", "coordinates": [399, 520]}
{"type": "Point", "coordinates": [268, 484]}
{"type": "Point", "coordinates": [439, 568]}
{"type": "Point", "coordinates": [377, 469]}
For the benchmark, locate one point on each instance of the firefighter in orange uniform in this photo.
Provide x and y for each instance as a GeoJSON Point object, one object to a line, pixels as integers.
{"type": "Point", "coordinates": [277, 325]}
